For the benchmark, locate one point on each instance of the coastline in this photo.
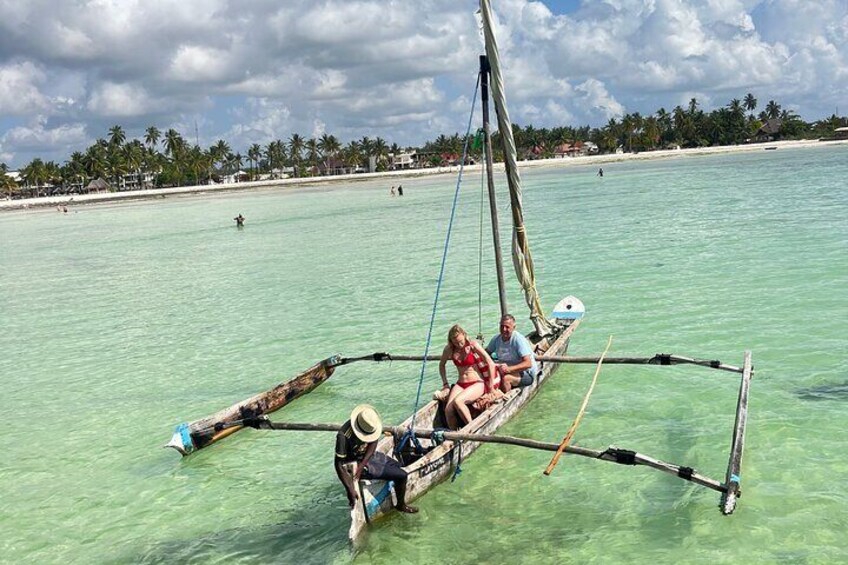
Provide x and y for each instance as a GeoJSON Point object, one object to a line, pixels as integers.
{"type": "Point", "coordinates": [50, 201]}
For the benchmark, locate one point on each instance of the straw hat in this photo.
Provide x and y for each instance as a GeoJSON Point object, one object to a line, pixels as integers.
{"type": "Point", "coordinates": [366, 423]}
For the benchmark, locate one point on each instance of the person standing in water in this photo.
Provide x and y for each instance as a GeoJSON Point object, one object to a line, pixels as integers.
{"type": "Point", "coordinates": [239, 220]}
{"type": "Point", "coordinates": [600, 172]}
{"type": "Point", "coordinates": [400, 190]}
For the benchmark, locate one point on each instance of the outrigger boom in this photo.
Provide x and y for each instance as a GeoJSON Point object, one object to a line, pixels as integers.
{"type": "Point", "coordinates": [244, 414]}
{"type": "Point", "coordinates": [730, 488]}
{"type": "Point", "coordinates": [189, 437]}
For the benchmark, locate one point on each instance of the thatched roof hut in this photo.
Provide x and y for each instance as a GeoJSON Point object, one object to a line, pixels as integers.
{"type": "Point", "coordinates": [98, 185]}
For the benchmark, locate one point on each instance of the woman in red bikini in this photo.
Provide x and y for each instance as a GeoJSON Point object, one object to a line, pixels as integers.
{"type": "Point", "coordinates": [475, 368]}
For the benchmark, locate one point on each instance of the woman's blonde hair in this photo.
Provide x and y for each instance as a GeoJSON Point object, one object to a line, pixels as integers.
{"type": "Point", "coordinates": [456, 330]}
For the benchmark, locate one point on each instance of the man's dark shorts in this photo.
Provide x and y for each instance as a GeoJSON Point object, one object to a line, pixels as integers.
{"type": "Point", "coordinates": [383, 467]}
{"type": "Point", "coordinates": [526, 378]}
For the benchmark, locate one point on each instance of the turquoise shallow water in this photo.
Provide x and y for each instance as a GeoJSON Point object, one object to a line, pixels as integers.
{"type": "Point", "coordinates": [121, 321]}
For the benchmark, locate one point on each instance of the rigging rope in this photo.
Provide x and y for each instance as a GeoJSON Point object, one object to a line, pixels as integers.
{"type": "Point", "coordinates": [445, 254]}
{"type": "Point", "coordinates": [480, 254]}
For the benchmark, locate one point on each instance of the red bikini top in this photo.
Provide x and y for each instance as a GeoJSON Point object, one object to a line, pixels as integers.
{"type": "Point", "coordinates": [471, 359]}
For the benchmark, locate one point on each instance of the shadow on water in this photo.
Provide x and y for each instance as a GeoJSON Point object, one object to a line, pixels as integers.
{"type": "Point", "coordinates": [837, 391]}
{"type": "Point", "coordinates": [317, 534]}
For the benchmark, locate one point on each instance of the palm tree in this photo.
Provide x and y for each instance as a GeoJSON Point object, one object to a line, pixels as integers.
{"type": "Point", "coordinates": [173, 142]}
{"type": "Point", "coordinates": [693, 106]}
{"type": "Point", "coordinates": [34, 174]}
{"type": "Point", "coordinates": [7, 183]}
{"type": "Point", "coordinates": [772, 110]}
{"type": "Point", "coordinates": [353, 154]}
{"type": "Point", "coordinates": [116, 136]}
{"type": "Point", "coordinates": [750, 102]}
{"type": "Point", "coordinates": [296, 151]}
{"type": "Point", "coordinates": [381, 151]}
{"type": "Point", "coordinates": [152, 135]}
{"type": "Point", "coordinates": [312, 153]}
{"type": "Point", "coordinates": [219, 153]}
{"type": "Point", "coordinates": [75, 169]}
{"type": "Point", "coordinates": [664, 120]}
{"type": "Point", "coordinates": [175, 149]}
{"type": "Point", "coordinates": [366, 147]}
{"type": "Point", "coordinates": [275, 154]}
{"type": "Point", "coordinates": [329, 146]}
{"type": "Point", "coordinates": [253, 154]}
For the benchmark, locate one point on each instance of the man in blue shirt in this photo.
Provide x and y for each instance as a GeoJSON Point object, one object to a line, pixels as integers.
{"type": "Point", "coordinates": [513, 355]}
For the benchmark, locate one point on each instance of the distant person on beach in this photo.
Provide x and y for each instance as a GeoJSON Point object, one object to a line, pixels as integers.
{"type": "Point", "coordinates": [239, 220]}
{"type": "Point", "coordinates": [600, 172]}
{"type": "Point", "coordinates": [513, 355]}
{"type": "Point", "coordinates": [477, 376]}
{"type": "Point", "coordinates": [356, 442]}
{"type": "Point", "coordinates": [392, 191]}
{"type": "Point", "coordinates": [400, 190]}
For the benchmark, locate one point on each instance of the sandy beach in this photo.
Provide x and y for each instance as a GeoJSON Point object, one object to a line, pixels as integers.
{"type": "Point", "coordinates": [49, 201]}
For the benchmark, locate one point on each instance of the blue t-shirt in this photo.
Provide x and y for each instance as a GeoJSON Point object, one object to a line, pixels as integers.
{"type": "Point", "coordinates": [511, 352]}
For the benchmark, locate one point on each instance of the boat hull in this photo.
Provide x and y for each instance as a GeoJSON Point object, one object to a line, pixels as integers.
{"type": "Point", "coordinates": [190, 437]}
{"type": "Point", "coordinates": [377, 498]}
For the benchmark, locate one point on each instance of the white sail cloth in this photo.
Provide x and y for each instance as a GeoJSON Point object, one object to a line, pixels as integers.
{"type": "Point", "coordinates": [521, 257]}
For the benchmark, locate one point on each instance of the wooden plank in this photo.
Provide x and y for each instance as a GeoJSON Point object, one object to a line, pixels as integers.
{"type": "Point", "coordinates": [732, 479]}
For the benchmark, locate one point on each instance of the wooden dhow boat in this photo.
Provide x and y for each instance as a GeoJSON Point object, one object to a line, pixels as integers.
{"type": "Point", "coordinates": [438, 460]}
{"type": "Point", "coordinates": [428, 452]}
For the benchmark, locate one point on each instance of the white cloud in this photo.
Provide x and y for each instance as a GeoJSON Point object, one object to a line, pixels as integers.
{"type": "Point", "coordinates": [194, 63]}
{"type": "Point", "coordinates": [404, 70]}
{"type": "Point", "coordinates": [20, 93]}
{"type": "Point", "coordinates": [38, 136]}
{"type": "Point", "coordinates": [119, 100]}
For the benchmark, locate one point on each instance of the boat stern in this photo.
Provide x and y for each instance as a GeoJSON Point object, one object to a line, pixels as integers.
{"type": "Point", "coordinates": [181, 440]}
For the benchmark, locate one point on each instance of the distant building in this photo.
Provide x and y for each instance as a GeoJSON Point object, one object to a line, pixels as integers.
{"type": "Point", "coordinates": [769, 131]}
{"type": "Point", "coordinates": [840, 133]}
{"type": "Point", "coordinates": [402, 160]}
{"type": "Point", "coordinates": [98, 185]}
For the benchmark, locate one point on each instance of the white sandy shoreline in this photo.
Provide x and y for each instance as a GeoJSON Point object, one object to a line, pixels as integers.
{"type": "Point", "coordinates": [49, 201]}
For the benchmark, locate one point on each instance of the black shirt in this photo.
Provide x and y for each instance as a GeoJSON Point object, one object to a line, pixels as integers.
{"type": "Point", "coordinates": [348, 446]}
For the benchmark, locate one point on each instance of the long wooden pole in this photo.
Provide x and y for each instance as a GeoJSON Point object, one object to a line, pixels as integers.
{"type": "Point", "coordinates": [732, 478]}
{"type": "Point", "coordinates": [566, 441]}
{"type": "Point", "coordinates": [659, 359]}
{"type": "Point", "coordinates": [490, 177]}
{"type": "Point", "coordinates": [612, 454]}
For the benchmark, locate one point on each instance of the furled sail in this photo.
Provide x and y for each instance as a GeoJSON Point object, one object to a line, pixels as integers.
{"type": "Point", "coordinates": [521, 257]}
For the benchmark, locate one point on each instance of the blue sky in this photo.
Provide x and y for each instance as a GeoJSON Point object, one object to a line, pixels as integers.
{"type": "Point", "coordinates": [258, 71]}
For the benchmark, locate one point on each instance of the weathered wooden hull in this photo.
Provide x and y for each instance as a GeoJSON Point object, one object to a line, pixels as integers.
{"type": "Point", "coordinates": [377, 497]}
{"type": "Point", "coordinates": [196, 435]}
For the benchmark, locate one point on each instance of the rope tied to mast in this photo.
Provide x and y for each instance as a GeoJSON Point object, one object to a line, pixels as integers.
{"type": "Point", "coordinates": [444, 257]}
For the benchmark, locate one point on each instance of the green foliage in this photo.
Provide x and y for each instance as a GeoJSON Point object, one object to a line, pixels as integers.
{"type": "Point", "coordinates": [169, 160]}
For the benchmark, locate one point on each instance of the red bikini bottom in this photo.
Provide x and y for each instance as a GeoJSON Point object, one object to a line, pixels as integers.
{"type": "Point", "coordinates": [468, 384]}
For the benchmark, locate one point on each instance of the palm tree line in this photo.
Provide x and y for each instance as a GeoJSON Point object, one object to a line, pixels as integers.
{"type": "Point", "coordinates": [166, 159]}
{"type": "Point", "coordinates": [733, 124]}
{"type": "Point", "coordinates": [163, 159]}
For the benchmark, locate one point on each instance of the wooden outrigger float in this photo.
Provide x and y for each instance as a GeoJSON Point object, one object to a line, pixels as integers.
{"type": "Point", "coordinates": [436, 453]}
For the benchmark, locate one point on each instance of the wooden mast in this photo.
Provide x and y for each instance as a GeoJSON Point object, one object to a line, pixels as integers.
{"type": "Point", "coordinates": [493, 208]}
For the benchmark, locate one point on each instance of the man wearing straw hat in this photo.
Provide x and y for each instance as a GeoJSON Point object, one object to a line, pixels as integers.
{"type": "Point", "coordinates": [356, 442]}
